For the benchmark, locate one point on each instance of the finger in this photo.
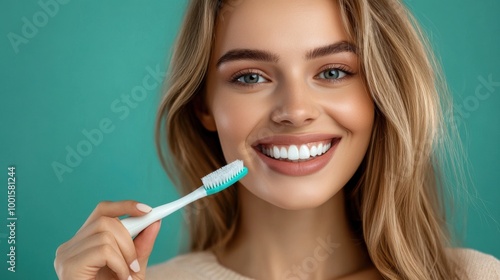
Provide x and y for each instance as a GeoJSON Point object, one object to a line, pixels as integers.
{"type": "Point", "coordinates": [116, 209]}
{"type": "Point", "coordinates": [94, 259]}
{"type": "Point", "coordinates": [144, 243]}
{"type": "Point", "coordinates": [96, 240]}
{"type": "Point", "coordinates": [110, 230]}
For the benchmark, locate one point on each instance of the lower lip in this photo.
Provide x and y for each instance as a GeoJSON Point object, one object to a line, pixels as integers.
{"type": "Point", "coordinates": [301, 168]}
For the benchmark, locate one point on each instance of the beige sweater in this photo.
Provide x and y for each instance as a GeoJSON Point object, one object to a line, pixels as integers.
{"type": "Point", "coordinates": [204, 265]}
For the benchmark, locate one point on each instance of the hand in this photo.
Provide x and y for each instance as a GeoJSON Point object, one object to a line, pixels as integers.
{"type": "Point", "coordinates": [103, 249]}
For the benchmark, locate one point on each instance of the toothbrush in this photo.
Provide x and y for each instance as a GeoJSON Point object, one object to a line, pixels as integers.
{"type": "Point", "coordinates": [213, 183]}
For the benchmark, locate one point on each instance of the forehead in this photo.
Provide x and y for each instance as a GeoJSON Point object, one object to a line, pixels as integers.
{"type": "Point", "coordinates": [275, 24]}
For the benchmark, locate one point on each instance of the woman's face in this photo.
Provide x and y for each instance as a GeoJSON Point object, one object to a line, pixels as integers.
{"type": "Point", "coordinates": [285, 94]}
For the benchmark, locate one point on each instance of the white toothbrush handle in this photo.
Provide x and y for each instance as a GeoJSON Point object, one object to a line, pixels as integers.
{"type": "Point", "coordinates": [134, 225]}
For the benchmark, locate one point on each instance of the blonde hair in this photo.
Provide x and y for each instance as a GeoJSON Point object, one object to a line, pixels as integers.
{"type": "Point", "coordinates": [395, 198]}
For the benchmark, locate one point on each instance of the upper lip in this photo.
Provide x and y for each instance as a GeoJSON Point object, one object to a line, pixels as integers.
{"type": "Point", "coordinates": [294, 139]}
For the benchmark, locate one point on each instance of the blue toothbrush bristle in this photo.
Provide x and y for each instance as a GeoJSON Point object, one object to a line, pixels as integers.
{"type": "Point", "coordinates": [224, 177]}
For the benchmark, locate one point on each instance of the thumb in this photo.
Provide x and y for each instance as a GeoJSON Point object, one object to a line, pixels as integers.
{"type": "Point", "coordinates": [144, 245]}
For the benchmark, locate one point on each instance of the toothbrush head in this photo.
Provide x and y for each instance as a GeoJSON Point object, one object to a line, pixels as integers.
{"type": "Point", "coordinates": [224, 177]}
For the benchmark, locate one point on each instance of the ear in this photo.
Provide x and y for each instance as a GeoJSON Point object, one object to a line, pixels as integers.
{"type": "Point", "coordinates": [204, 114]}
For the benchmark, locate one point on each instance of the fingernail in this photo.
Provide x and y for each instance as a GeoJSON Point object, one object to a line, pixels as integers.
{"type": "Point", "coordinates": [135, 266]}
{"type": "Point", "coordinates": [143, 207]}
{"type": "Point", "coordinates": [130, 278]}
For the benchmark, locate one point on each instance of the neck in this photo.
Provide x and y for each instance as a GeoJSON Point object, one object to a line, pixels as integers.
{"type": "Point", "coordinates": [306, 244]}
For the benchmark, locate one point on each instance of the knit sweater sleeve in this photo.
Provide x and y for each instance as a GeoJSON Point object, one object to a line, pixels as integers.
{"type": "Point", "coordinates": [472, 264]}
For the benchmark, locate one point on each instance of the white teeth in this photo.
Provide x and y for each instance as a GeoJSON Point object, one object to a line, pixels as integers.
{"type": "Point", "coordinates": [320, 149]}
{"type": "Point", "coordinates": [326, 148]}
{"type": "Point", "coordinates": [276, 152]}
{"type": "Point", "coordinates": [283, 153]}
{"type": "Point", "coordinates": [314, 151]}
{"type": "Point", "coordinates": [294, 153]}
{"type": "Point", "coordinates": [304, 152]}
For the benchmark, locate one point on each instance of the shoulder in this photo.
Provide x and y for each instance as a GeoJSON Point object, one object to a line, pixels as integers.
{"type": "Point", "coordinates": [191, 266]}
{"type": "Point", "coordinates": [472, 264]}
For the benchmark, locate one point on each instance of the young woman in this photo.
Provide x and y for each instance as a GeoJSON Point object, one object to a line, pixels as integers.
{"type": "Point", "coordinates": [334, 108]}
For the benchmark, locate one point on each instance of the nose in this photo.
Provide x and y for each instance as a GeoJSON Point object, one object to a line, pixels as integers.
{"type": "Point", "coordinates": [295, 105]}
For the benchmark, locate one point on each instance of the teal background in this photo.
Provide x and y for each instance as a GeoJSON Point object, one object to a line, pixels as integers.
{"type": "Point", "coordinates": [90, 54]}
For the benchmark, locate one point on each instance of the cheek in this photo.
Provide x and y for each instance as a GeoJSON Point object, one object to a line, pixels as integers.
{"type": "Point", "coordinates": [354, 111]}
{"type": "Point", "coordinates": [235, 119]}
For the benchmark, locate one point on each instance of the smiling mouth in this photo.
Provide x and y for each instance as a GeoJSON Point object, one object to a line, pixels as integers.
{"type": "Point", "coordinates": [297, 152]}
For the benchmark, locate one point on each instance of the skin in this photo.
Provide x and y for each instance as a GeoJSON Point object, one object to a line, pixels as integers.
{"type": "Point", "coordinates": [249, 98]}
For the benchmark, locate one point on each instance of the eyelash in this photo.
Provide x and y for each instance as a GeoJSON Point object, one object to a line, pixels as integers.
{"type": "Point", "coordinates": [342, 68]}
{"type": "Point", "coordinates": [234, 78]}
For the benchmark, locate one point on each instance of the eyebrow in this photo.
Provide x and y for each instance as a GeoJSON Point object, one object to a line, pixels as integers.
{"type": "Point", "coordinates": [259, 55]}
{"type": "Point", "coordinates": [339, 47]}
{"type": "Point", "coordinates": [247, 54]}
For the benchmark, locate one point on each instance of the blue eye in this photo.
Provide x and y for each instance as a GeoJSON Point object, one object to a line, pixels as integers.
{"type": "Point", "coordinates": [333, 74]}
{"type": "Point", "coordinates": [251, 78]}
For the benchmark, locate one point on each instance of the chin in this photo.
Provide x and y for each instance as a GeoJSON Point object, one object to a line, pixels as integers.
{"type": "Point", "coordinates": [296, 196]}
{"type": "Point", "coordinates": [297, 204]}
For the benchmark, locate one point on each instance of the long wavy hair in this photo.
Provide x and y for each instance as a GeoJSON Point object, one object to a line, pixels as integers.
{"type": "Point", "coordinates": [395, 198]}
